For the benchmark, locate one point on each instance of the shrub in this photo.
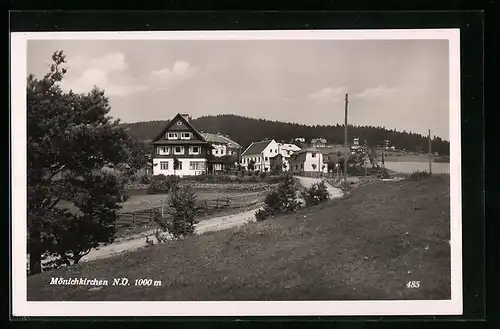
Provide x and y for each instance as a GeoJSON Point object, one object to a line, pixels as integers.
{"type": "Point", "coordinates": [182, 208]}
{"type": "Point", "coordinates": [316, 194]}
{"type": "Point", "coordinates": [287, 191]}
{"type": "Point", "coordinates": [146, 179]}
{"type": "Point", "coordinates": [273, 203]}
{"type": "Point", "coordinates": [419, 174]}
{"type": "Point", "coordinates": [163, 186]}
{"type": "Point", "coordinates": [261, 215]}
{"type": "Point", "coordinates": [159, 177]}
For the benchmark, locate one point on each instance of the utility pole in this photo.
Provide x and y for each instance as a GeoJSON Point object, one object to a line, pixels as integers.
{"type": "Point", "coordinates": [345, 141]}
{"type": "Point", "coordinates": [430, 153]}
{"type": "Point", "coordinates": [366, 157]}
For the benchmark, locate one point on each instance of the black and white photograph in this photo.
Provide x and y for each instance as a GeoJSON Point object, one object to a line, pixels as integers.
{"type": "Point", "coordinates": [236, 173]}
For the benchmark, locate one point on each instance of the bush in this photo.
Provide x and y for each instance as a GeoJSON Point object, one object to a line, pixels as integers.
{"type": "Point", "coordinates": [273, 203]}
{"type": "Point", "coordinates": [146, 179]}
{"type": "Point", "coordinates": [182, 208]}
{"type": "Point", "coordinates": [316, 194]}
{"type": "Point", "coordinates": [287, 191]}
{"type": "Point", "coordinates": [159, 177]}
{"type": "Point", "coordinates": [419, 174]}
{"type": "Point", "coordinates": [261, 215]}
{"type": "Point", "coordinates": [281, 200]}
{"type": "Point", "coordinates": [163, 186]}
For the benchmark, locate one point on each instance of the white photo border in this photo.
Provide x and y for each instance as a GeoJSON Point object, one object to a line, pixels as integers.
{"type": "Point", "coordinates": [22, 307]}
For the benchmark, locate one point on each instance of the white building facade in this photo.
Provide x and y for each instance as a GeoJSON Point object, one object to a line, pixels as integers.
{"type": "Point", "coordinates": [259, 153]}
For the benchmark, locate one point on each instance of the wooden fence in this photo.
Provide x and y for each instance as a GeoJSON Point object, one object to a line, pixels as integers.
{"type": "Point", "coordinates": [145, 216]}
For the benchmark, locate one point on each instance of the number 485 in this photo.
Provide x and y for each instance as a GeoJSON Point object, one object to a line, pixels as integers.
{"type": "Point", "coordinates": [413, 284]}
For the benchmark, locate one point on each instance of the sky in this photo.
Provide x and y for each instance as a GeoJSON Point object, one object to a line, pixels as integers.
{"type": "Point", "coordinates": [398, 84]}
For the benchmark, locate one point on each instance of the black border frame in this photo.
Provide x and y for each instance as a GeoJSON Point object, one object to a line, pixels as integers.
{"type": "Point", "coordinates": [471, 24]}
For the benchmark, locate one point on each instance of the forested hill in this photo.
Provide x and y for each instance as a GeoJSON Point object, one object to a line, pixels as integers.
{"type": "Point", "coordinates": [246, 130]}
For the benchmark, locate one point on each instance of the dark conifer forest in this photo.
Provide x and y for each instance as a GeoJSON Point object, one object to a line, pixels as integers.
{"type": "Point", "coordinates": [245, 130]}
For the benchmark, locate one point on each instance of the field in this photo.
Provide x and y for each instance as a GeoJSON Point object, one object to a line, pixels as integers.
{"type": "Point", "coordinates": [138, 201]}
{"type": "Point", "coordinates": [367, 245]}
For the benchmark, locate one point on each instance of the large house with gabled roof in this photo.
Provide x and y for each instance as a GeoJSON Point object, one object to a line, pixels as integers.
{"type": "Point", "coordinates": [180, 142]}
{"type": "Point", "coordinates": [260, 154]}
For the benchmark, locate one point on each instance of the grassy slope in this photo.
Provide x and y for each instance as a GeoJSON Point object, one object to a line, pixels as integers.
{"type": "Point", "coordinates": [366, 246]}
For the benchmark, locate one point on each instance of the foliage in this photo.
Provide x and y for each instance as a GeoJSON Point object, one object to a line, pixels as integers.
{"type": "Point", "coordinates": [176, 164]}
{"type": "Point", "coordinates": [251, 165]}
{"type": "Point", "coordinates": [316, 194]}
{"type": "Point", "coordinates": [281, 200]}
{"type": "Point", "coordinates": [182, 203]}
{"type": "Point", "coordinates": [70, 138]}
{"type": "Point", "coordinates": [162, 184]}
{"type": "Point", "coordinates": [160, 177]}
{"type": "Point", "coordinates": [420, 174]}
{"type": "Point", "coordinates": [146, 179]}
{"type": "Point", "coordinates": [261, 215]}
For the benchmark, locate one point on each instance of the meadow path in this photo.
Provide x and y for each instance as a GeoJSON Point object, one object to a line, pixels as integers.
{"type": "Point", "coordinates": [138, 241]}
{"type": "Point", "coordinates": [308, 181]}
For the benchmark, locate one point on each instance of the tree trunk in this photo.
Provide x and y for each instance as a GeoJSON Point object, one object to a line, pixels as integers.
{"type": "Point", "coordinates": [35, 252]}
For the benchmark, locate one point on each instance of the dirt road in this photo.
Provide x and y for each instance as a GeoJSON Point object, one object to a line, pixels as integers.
{"type": "Point", "coordinates": [138, 241]}
{"type": "Point", "coordinates": [308, 181]}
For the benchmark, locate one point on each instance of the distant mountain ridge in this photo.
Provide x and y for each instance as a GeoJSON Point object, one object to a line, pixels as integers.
{"type": "Point", "coordinates": [245, 130]}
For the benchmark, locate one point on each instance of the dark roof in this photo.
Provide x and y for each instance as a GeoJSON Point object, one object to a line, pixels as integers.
{"type": "Point", "coordinates": [185, 121]}
{"type": "Point", "coordinates": [331, 149]}
{"type": "Point", "coordinates": [256, 147]}
{"type": "Point", "coordinates": [221, 139]}
{"type": "Point", "coordinates": [179, 142]}
{"type": "Point", "coordinates": [318, 140]}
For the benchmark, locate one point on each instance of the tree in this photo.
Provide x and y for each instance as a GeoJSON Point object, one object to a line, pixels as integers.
{"type": "Point", "coordinates": [176, 165]}
{"type": "Point", "coordinates": [182, 203]}
{"type": "Point", "coordinates": [70, 139]}
{"type": "Point", "coordinates": [251, 165]}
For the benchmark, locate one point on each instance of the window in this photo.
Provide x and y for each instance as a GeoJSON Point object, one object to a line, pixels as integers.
{"type": "Point", "coordinates": [195, 150]}
{"type": "Point", "coordinates": [313, 155]}
{"type": "Point", "coordinates": [179, 123]}
{"type": "Point", "coordinates": [266, 158]}
{"type": "Point", "coordinates": [163, 165]}
{"type": "Point", "coordinates": [163, 150]}
{"type": "Point", "coordinates": [216, 151]}
{"type": "Point", "coordinates": [185, 135]}
{"type": "Point", "coordinates": [172, 135]}
{"type": "Point", "coordinates": [179, 167]}
{"type": "Point", "coordinates": [301, 166]}
{"type": "Point", "coordinates": [296, 167]}
{"type": "Point", "coordinates": [179, 150]}
{"type": "Point", "coordinates": [196, 165]}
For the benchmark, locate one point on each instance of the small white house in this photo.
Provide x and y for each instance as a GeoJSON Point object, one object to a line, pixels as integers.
{"type": "Point", "coordinates": [260, 153]}
{"type": "Point", "coordinates": [306, 161]}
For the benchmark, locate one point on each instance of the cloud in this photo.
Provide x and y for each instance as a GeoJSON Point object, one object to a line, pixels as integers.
{"type": "Point", "coordinates": [180, 71]}
{"type": "Point", "coordinates": [329, 94]}
{"type": "Point", "coordinates": [377, 92]}
{"type": "Point", "coordinates": [96, 72]}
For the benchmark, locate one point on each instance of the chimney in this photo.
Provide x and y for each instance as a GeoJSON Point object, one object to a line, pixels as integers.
{"type": "Point", "coordinates": [186, 116]}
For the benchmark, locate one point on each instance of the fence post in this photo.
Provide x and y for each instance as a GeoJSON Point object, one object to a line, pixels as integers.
{"type": "Point", "coordinates": [217, 203]}
{"type": "Point", "coordinates": [133, 218]}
